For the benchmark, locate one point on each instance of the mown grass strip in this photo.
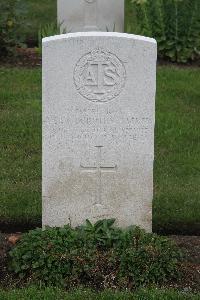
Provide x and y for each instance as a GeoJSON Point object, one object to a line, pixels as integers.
{"type": "Point", "coordinates": [34, 293]}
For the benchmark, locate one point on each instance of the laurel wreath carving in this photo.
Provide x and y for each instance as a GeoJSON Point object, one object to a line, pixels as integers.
{"type": "Point", "coordinates": [95, 56]}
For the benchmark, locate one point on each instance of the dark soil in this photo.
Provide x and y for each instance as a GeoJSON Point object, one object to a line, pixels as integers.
{"type": "Point", "coordinates": [161, 229]}
{"type": "Point", "coordinates": [190, 64]}
{"type": "Point", "coordinates": [190, 267]}
{"type": "Point", "coordinates": [30, 57]}
{"type": "Point", "coordinates": [24, 57]}
{"type": "Point", "coordinates": [190, 245]}
{"type": "Point", "coordinates": [8, 227]}
{"type": "Point", "coordinates": [175, 228]}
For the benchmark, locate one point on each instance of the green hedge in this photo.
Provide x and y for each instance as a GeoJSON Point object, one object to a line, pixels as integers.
{"type": "Point", "coordinates": [12, 14]}
{"type": "Point", "coordinates": [175, 24]}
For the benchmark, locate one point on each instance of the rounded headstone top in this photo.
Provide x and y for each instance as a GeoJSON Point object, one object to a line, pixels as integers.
{"type": "Point", "coordinates": [99, 34]}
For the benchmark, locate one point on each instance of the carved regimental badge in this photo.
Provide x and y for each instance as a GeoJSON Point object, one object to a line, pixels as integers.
{"type": "Point", "coordinates": [99, 76]}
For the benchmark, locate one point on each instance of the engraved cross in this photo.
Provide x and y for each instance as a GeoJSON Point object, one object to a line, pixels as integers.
{"type": "Point", "coordinates": [91, 15]}
{"type": "Point", "coordinates": [99, 169]}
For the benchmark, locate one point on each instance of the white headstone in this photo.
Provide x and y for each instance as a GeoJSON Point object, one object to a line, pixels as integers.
{"type": "Point", "coordinates": [98, 128]}
{"type": "Point", "coordinates": [91, 15]}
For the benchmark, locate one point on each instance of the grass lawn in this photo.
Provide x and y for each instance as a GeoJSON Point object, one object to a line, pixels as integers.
{"type": "Point", "coordinates": [177, 161]}
{"type": "Point", "coordinates": [177, 152]}
{"type": "Point", "coordinates": [20, 147]}
{"type": "Point", "coordinates": [56, 294]}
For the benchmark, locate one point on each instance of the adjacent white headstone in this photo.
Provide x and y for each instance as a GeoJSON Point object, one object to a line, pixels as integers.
{"type": "Point", "coordinates": [98, 128]}
{"type": "Point", "coordinates": [91, 15]}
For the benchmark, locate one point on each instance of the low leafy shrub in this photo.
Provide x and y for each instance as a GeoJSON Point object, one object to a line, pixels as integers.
{"type": "Point", "coordinates": [175, 24]}
{"type": "Point", "coordinates": [48, 30]}
{"type": "Point", "coordinates": [11, 21]}
{"type": "Point", "coordinates": [98, 255]}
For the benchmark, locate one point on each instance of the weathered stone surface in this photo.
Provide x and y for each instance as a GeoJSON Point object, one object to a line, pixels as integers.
{"type": "Point", "coordinates": [91, 15]}
{"type": "Point", "coordinates": [98, 128]}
